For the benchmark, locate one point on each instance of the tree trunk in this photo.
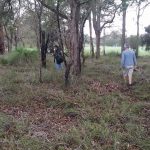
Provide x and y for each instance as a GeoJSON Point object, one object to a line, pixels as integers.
{"type": "Point", "coordinates": [81, 48]}
{"type": "Point", "coordinates": [43, 49]}
{"type": "Point", "coordinates": [123, 29]}
{"type": "Point", "coordinates": [97, 28]}
{"type": "Point", "coordinates": [137, 42]}
{"type": "Point", "coordinates": [10, 42]}
{"type": "Point", "coordinates": [91, 39]}
{"type": "Point", "coordinates": [9, 39]}
{"type": "Point", "coordinates": [16, 41]}
{"type": "Point", "coordinates": [74, 28]}
{"type": "Point", "coordinates": [97, 44]}
{"type": "Point", "coordinates": [2, 47]}
{"type": "Point", "coordinates": [60, 34]}
{"type": "Point", "coordinates": [104, 52]}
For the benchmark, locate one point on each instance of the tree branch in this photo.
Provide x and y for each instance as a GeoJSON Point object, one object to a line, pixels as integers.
{"type": "Point", "coordinates": [53, 10]}
{"type": "Point", "coordinates": [84, 2]}
{"type": "Point", "coordinates": [108, 21]}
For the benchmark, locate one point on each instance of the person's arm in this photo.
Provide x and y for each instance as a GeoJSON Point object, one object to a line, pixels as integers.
{"type": "Point", "coordinates": [122, 59]}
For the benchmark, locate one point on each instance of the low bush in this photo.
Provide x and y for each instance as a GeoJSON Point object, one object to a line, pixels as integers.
{"type": "Point", "coordinates": [19, 56]}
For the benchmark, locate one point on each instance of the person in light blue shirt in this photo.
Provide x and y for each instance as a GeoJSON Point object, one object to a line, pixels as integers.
{"type": "Point", "coordinates": [128, 62]}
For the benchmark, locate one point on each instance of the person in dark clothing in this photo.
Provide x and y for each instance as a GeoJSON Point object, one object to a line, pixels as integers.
{"type": "Point", "coordinates": [58, 58]}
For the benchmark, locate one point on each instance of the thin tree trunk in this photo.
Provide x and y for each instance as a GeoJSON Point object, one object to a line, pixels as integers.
{"type": "Point", "coordinates": [137, 42]}
{"type": "Point", "coordinates": [97, 28]}
{"type": "Point", "coordinates": [104, 43]}
{"type": "Point", "coordinates": [91, 39]}
{"type": "Point", "coordinates": [81, 48]}
{"type": "Point", "coordinates": [60, 35]}
{"type": "Point", "coordinates": [2, 46]}
{"type": "Point", "coordinates": [16, 42]}
{"type": "Point", "coordinates": [43, 49]}
{"type": "Point", "coordinates": [9, 39]}
{"type": "Point", "coordinates": [39, 36]}
{"type": "Point", "coordinates": [123, 30]}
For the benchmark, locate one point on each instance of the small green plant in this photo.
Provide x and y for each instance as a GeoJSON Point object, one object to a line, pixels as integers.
{"type": "Point", "coordinates": [73, 138]}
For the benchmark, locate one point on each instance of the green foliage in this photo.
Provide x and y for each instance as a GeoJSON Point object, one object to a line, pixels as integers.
{"type": "Point", "coordinates": [19, 56]}
{"type": "Point", "coordinates": [4, 119]}
{"type": "Point", "coordinates": [113, 54]}
{"type": "Point", "coordinates": [133, 41]}
{"type": "Point", "coordinates": [73, 138]}
{"type": "Point", "coordinates": [113, 39]}
{"type": "Point", "coordinates": [146, 38]}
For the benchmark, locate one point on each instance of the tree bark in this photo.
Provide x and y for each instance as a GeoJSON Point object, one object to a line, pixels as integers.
{"type": "Point", "coordinates": [104, 52]}
{"type": "Point", "coordinates": [91, 39]}
{"type": "Point", "coordinates": [2, 46]}
{"type": "Point", "coordinates": [74, 28]}
{"type": "Point", "coordinates": [44, 45]}
{"type": "Point", "coordinates": [123, 29]}
{"type": "Point", "coordinates": [138, 20]}
{"type": "Point", "coordinates": [97, 44]}
{"type": "Point", "coordinates": [81, 36]}
{"type": "Point", "coordinates": [97, 27]}
{"type": "Point", "coordinates": [60, 34]}
{"type": "Point", "coordinates": [9, 37]}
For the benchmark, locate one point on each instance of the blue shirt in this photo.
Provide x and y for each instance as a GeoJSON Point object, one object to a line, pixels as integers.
{"type": "Point", "coordinates": [128, 58]}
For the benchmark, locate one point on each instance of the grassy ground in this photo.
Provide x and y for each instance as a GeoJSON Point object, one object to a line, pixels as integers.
{"type": "Point", "coordinates": [96, 112]}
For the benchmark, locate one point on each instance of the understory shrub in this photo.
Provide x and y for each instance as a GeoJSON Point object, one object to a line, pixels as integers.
{"type": "Point", "coordinates": [19, 56]}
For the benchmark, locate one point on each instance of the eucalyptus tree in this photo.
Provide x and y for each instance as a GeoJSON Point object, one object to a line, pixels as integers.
{"type": "Point", "coordinates": [103, 13]}
{"type": "Point", "coordinates": [74, 13]}
{"type": "Point", "coordinates": [91, 38]}
{"type": "Point", "coordinates": [140, 7]}
{"type": "Point", "coordinates": [123, 8]}
{"type": "Point", "coordinates": [5, 15]}
{"type": "Point", "coordinates": [124, 12]}
{"type": "Point", "coordinates": [145, 38]}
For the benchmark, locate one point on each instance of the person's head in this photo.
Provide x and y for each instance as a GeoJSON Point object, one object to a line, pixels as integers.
{"type": "Point", "coordinates": [55, 48]}
{"type": "Point", "coordinates": [126, 46]}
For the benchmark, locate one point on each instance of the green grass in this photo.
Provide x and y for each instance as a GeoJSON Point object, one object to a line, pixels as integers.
{"type": "Point", "coordinates": [95, 112]}
{"type": "Point", "coordinates": [116, 50]}
{"type": "Point", "coordinates": [19, 56]}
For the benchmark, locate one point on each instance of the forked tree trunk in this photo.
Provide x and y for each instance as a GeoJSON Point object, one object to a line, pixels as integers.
{"type": "Point", "coordinates": [81, 36]}
{"type": "Point", "coordinates": [2, 46]}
